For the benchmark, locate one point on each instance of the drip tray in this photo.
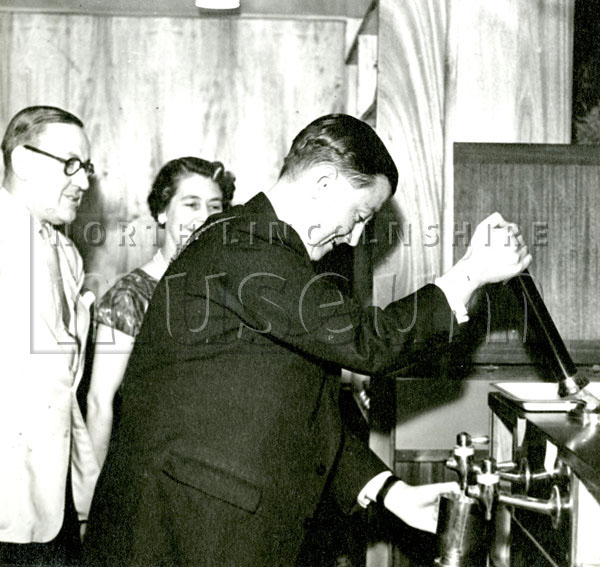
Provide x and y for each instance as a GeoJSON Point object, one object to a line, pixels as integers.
{"type": "Point", "coordinates": [540, 396]}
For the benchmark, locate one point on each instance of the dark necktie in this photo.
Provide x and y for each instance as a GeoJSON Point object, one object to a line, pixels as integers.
{"type": "Point", "coordinates": [51, 241]}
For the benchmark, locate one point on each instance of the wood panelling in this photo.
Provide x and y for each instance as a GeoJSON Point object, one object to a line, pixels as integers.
{"type": "Point", "coordinates": [152, 89]}
{"type": "Point", "coordinates": [452, 71]}
{"type": "Point", "coordinates": [409, 120]}
{"type": "Point", "coordinates": [424, 472]}
{"type": "Point", "coordinates": [367, 26]}
{"type": "Point", "coordinates": [552, 192]}
{"type": "Point", "coordinates": [427, 467]}
{"type": "Point", "coordinates": [508, 79]}
{"type": "Point", "coordinates": [367, 72]}
{"type": "Point", "coordinates": [512, 63]}
{"type": "Point", "coordinates": [186, 8]}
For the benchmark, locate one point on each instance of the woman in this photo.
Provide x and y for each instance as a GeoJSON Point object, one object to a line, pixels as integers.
{"type": "Point", "coordinates": [184, 194]}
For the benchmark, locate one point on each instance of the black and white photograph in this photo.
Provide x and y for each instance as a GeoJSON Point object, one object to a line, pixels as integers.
{"type": "Point", "coordinates": [305, 283]}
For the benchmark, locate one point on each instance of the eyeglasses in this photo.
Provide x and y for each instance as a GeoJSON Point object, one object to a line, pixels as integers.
{"type": "Point", "coordinates": [72, 165]}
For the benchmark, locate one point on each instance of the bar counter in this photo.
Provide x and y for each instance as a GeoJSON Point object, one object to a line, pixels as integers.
{"type": "Point", "coordinates": [578, 444]}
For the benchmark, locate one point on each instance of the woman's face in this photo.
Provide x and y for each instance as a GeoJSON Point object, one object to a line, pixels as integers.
{"type": "Point", "coordinates": [196, 198]}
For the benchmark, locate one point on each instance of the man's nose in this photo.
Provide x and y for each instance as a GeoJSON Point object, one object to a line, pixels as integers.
{"type": "Point", "coordinates": [354, 237]}
{"type": "Point", "coordinates": [81, 180]}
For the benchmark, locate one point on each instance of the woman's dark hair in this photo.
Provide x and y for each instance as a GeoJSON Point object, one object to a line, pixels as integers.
{"type": "Point", "coordinates": [166, 182]}
{"type": "Point", "coordinates": [349, 144]}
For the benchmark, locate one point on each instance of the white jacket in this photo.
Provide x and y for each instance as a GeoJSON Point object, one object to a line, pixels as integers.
{"type": "Point", "coordinates": [40, 368]}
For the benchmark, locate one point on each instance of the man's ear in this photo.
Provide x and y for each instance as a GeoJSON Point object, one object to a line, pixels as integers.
{"type": "Point", "coordinates": [20, 162]}
{"type": "Point", "coordinates": [323, 175]}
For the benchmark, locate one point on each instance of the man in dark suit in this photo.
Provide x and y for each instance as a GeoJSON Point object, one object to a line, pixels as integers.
{"type": "Point", "coordinates": [230, 433]}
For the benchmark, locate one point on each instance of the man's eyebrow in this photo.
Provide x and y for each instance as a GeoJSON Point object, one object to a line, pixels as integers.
{"type": "Point", "coordinates": [74, 155]}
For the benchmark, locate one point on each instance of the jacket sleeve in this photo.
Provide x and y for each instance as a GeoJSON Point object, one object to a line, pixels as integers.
{"type": "Point", "coordinates": [355, 466]}
{"type": "Point", "coordinates": [273, 292]}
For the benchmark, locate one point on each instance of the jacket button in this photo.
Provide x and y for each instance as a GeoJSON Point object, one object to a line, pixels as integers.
{"type": "Point", "coordinates": [321, 469]}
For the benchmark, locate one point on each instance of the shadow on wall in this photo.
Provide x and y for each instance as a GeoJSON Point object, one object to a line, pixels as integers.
{"type": "Point", "coordinates": [586, 73]}
{"type": "Point", "coordinates": [89, 232]}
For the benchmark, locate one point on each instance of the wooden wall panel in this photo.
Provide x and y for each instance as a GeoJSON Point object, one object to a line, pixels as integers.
{"type": "Point", "coordinates": [460, 70]}
{"type": "Point", "coordinates": [509, 79]}
{"type": "Point", "coordinates": [367, 73]}
{"type": "Point", "coordinates": [552, 192]}
{"type": "Point", "coordinates": [186, 8]}
{"type": "Point", "coordinates": [409, 120]}
{"type": "Point", "coordinates": [152, 89]}
{"type": "Point", "coordinates": [513, 60]}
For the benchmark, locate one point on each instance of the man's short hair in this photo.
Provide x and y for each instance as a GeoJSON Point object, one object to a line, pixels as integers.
{"type": "Point", "coordinates": [347, 143]}
{"type": "Point", "coordinates": [28, 123]}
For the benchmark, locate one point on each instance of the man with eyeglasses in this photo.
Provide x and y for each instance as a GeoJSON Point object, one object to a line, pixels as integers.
{"type": "Point", "coordinates": [47, 465]}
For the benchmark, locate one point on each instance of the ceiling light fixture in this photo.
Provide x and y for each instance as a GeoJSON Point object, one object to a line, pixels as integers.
{"type": "Point", "coordinates": [218, 4]}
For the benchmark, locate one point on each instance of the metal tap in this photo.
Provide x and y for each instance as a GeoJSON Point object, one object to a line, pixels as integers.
{"type": "Point", "coordinates": [489, 493]}
{"type": "Point", "coordinates": [487, 481]}
{"type": "Point", "coordinates": [552, 507]}
{"type": "Point", "coordinates": [586, 413]}
{"type": "Point", "coordinates": [524, 478]}
{"type": "Point", "coordinates": [474, 527]}
{"type": "Point", "coordinates": [462, 459]}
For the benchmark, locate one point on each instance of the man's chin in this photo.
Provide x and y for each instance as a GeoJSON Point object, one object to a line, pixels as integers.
{"type": "Point", "coordinates": [318, 252]}
{"type": "Point", "coordinates": [65, 217]}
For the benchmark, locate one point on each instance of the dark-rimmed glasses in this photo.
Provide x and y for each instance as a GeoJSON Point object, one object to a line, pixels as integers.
{"type": "Point", "coordinates": [72, 165]}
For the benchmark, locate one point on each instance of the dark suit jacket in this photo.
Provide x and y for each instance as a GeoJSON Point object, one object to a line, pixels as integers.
{"type": "Point", "coordinates": [230, 429]}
